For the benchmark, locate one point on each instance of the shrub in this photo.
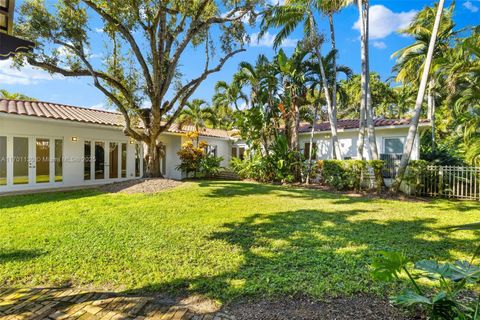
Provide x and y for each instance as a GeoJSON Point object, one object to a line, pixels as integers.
{"type": "Point", "coordinates": [194, 158]}
{"type": "Point", "coordinates": [351, 174]}
{"type": "Point", "coordinates": [210, 165]}
{"type": "Point", "coordinates": [415, 174]}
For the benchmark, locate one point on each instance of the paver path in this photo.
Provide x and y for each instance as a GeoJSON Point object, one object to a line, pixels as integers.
{"type": "Point", "coordinates": [67, 303]}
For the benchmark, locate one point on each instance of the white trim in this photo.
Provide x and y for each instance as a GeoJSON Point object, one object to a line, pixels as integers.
{"type": "Point", "coordinates": [421, 125]}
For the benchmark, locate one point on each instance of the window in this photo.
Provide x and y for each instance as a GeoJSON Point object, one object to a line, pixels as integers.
{"type": "Point", "coordinates": [124, 160]}
{"type": "Point", "coordinates": [113, 160]}
{"type": "Point", "coordinates": [3, 161]}
{"type": "Point", "coordinates": [99, 160]}
{"type": "Point", "coordinates": [241, 153]}
{"type": "Point", "coordinates": [393, 145]}
{"type": "Point", "coordinates": [234, 152]}
{"type": "Point", "coordinates": [87, 160]}
{"type": "Point", "coordinates": [306, 150]}
{"type": "Point", "coordinates": [211, 150]}
{"type": "Point", "coordinates": [58, 160]}
{"type": "Point", "coordinates": [20, 160]}
{"type": "Point", "coordinates": [42, 165]}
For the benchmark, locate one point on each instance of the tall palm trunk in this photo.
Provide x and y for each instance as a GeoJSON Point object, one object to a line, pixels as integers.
{"type": "Point", "coordinates": [431, 110]}
{"type": "Point", "coordinates": [412, 131]}
{"type": "Point", "coordinates": [310, 151]}
{"type": "Point", "coordinates": [333, 121]}
{"type": "Point", "coordinates": [372, 141]}
{"type": "Point", "coordinates": [337, 152]}
{"type": "Point", "coordinates": [364, 84]}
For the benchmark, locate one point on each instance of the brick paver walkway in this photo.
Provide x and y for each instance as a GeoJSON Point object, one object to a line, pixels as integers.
{"type": "Point", "coordinates": [61, 303]}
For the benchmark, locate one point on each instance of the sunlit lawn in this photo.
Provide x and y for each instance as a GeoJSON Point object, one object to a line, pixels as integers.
{"type": "Point", "coordinates": [223, 239]}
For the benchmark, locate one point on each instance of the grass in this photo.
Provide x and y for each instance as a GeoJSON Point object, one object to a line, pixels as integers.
{"type": "Point", "coordinates": [222, 239]}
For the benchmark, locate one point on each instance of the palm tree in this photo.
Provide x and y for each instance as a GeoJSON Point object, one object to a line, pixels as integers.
{"type": "Point", "coordinates": [228, 94]}
{"type": "Point", "coordinates": [412, 132]}
{"type": "Point", "coordinates": [14, 96]}
{"type": "Point", "coordinates": [288, 17]}
{"type": "Point", "coordinates": [196, 113]}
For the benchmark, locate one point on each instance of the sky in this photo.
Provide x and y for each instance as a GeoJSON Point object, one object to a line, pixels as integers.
{"type": "Point", "coordinates": [386, 18]}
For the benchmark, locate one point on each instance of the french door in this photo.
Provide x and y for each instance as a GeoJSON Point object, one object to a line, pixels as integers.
{"type": "Point", "coordinates": [27, 161]}
{"type": "Point", "coordinates": [104, 160]}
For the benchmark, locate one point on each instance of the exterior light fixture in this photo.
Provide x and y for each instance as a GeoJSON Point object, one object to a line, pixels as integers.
{"type": "Point", "coordinates": [9, 45]}
{"type": "Point", "coordinates": [74, 139]}
{"type": "Point", "coordinates": [132, 141]}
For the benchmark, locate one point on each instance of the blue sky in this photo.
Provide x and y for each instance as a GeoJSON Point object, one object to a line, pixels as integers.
{"type": "Point", "coordinates": [386, 18]}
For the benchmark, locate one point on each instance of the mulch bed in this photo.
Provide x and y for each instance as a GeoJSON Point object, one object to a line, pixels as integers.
{"type": "Point", "coordinates": [145, 186]}
{"type": "Point", "coordinates": [303, 308]}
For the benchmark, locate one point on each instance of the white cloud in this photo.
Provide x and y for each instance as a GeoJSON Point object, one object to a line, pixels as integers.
{"type": "Point", "coordinates": [384, 21]}
{"type": "Point", "coordinates": [379, 44]}
{"type": "Point", "coordinates": [27, 75]}
{"type": "Point", "coordinates": [268, 39]}
{"type": "Point", "coordinates": [277, 2]}
{"type": "Point", "coordinates": [470, 6]}
{"type": "Point", "coordinates": [99, 30]}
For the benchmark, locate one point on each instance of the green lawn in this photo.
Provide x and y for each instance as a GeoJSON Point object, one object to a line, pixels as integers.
{"type": "Point", "coordinates": [223, 239]}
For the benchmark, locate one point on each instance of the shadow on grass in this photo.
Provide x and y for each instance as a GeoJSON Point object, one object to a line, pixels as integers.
{"type": "Point", "coordinates": [313, 252]}
{"type": "Point", "coordinates": [16, 201]}
{"type": "Point", "coordinates": [19, 255]}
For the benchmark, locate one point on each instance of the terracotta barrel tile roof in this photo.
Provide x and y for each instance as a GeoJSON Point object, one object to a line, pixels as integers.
{"type": "Point", "coordinates": [354, 124]}
{"type": "Point", "coordinates": [86, 115]}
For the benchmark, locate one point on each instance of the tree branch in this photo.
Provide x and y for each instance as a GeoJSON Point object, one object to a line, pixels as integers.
{"type": "Point", "coordinates": [128, 36]}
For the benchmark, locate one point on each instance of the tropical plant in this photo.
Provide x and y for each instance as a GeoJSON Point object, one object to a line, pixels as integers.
{"type": "Point", "coordinates": [15, 96]}
{"type": "Point", "coordinates": [288, 17]}
{"type": "Point", "coordinates": [451, 280]}
{"type": "Point", "coordinates": [197, 114]}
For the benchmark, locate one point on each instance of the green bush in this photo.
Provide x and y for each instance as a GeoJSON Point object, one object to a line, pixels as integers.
{"type": "Point", "coordinates": [415, 174]}
{"type": "Point", "coordinates": [280, 164]}
{"type": "Point", "coordinates": [350, 174]}
{"type": "Point", "coordinates": [210, 165]}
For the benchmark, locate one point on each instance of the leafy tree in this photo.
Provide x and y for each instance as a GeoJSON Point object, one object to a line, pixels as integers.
{"type": "Point", "coordinates": [145, 41]}
{"type": "Point", "coordinates": [383, 97]}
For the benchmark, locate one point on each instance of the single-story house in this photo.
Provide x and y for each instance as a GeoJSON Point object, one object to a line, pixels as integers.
{"type": "Point", "coordinates": [48, 145]}
{"type": "Point", "coordinates": [390, 137]}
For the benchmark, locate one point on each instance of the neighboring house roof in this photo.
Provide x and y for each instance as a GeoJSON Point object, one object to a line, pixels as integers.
{"type": "Point", "coordinates": [70, 113]}
{"type": "Point", "coordinates": [354, 124]}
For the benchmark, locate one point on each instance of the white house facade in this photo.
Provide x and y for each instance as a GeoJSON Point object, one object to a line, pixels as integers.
{"type": "Point", "coordinates": [390, 138]}
{"type": "Point", "coordinates": [47, 145]}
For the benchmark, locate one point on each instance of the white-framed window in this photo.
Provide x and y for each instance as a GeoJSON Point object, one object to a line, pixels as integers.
{"type": "Point", "coordinates": [393, 145]}
{"type": "Point", "coordinates": [211, 150]}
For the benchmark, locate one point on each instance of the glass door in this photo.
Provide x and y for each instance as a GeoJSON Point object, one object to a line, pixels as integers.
{"type": "Point", "coordinates": [42, 160]}
{"type": "Point", "coordinates": [113, 160]}
{"type": "Point", "coordinates": [3, 161]}
{"type": "Point", "coordinates": [99, 160]}
{"type": "Point", "coordinates": [20, 160]}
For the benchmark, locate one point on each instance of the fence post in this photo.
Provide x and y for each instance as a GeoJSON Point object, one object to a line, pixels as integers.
{"type": "Point", "coordinates": [440, 180]}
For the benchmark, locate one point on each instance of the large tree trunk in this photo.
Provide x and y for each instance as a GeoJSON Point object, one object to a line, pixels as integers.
{"type": "Point", "coordinates": [412, 132]}
{"type": "Point", "coordinates": [154, 154]}
{"type": "Point", "coordinates": [337, 152]}
{"type": "Point", "coordinates": [310, 151]}
{"type": "Point", "coordinates": [372, 140]}
{"type": "Point", "coordinates": [364, 84]}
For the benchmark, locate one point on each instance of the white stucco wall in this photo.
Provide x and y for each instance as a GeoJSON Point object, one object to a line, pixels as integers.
{"type": "Point", "coordinates": [348, 142]}
{"type": "Point", "coordinates": [73, 151]}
